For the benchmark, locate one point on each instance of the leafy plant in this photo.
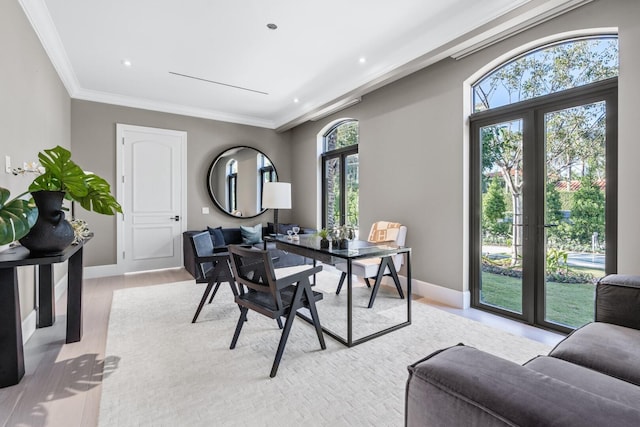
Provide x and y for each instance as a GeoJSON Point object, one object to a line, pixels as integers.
{"type": "Point", "coordinates": [323, 233]}
{"type": "Point", "coordinates": [93, 193]}
{"type": "Point", "coordinates": [17, 216]}
{"type": "Point", "coordinates": [62, 174]}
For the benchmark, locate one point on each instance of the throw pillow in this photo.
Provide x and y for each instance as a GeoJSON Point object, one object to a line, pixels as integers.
{"type": "Point", "coordinates": [251, 235]}
{"type": "Point", "coordinates": [217, 237]}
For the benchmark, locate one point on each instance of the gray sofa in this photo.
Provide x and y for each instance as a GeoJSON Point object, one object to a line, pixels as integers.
{"type": "Point", "coordinates": [233, 236]}
{"type": "Point", "coordinates": [591, 378]}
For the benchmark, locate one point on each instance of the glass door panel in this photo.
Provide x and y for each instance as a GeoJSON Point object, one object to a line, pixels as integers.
{"type": "Point", "coordinates": [501, 220]}
{"type": "Point", "coordinates": [574, 226]}
{"type": "Point", "coordinates": [352, 184]}
{"type": "Point", "coordinates": [333, 194]}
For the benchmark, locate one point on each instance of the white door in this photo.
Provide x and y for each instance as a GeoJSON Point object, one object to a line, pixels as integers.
{"type": "Point", "coordinates": [152, 191]}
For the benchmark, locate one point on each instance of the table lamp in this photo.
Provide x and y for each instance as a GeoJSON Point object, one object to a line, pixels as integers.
{"type": "Point", "coordinates": [276, 195]}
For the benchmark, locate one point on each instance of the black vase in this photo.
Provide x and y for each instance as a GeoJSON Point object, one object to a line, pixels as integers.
{"type": "Point", "coordinates": [324, 243]}
{"type": "Point", "coordinates": [51, 233]}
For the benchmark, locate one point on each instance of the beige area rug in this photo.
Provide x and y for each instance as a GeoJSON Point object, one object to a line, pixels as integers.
{"type": "Point", "coordinates": [170, 372]}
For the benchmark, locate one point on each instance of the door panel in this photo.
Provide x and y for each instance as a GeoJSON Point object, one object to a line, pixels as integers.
{"type": "Point", "coordinates": [575, 200]}
{"type": "Point", "coordinates": [153, 197]}
{"type": "Point", "coordinates": [501, 215]}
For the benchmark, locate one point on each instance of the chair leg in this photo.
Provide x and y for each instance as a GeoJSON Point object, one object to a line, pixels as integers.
{"type": "Point", "coordinates": [215, 291]}
{"type": "Point", "coordinates": [314, 316]}
{"type": "Point", "coordinates": [279, 320]}
{"type": "Point", "coordinates": [202, 300]}
{"type": "Point", "coordinates": [376, 286]}
{"type": "Point", "coordinates": [296, 303]}
{"type": "Point", "coordinates": [366, 280]}
{"type": "Point", "coordinates": [394, 276]}
{"type": "Point", "coordinates": [341, 282]}
{"type": "Point", "coordinates": [241, 320]}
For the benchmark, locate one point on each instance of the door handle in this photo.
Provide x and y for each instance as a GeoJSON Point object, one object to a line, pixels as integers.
{"type": "Point", "coordinates": [175, 218]}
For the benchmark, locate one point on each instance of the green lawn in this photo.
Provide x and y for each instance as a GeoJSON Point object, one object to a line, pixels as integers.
{"type": "Point", "coordinates": [567, 304]}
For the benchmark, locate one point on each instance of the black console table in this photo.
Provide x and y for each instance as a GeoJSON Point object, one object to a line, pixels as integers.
{"type": "Point", "coordinates": [11, 348]}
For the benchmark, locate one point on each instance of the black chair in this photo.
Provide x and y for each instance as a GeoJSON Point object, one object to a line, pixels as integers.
{"type": "Point", "coordinates": [213, 267]}
{"type": "Point", "coordinates": [272, 297]}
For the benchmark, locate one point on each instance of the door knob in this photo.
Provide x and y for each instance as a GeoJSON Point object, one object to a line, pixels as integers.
{"type": "Point", "coordinates": [175, 218]}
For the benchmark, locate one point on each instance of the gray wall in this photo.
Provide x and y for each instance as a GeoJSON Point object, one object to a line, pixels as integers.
{"type": "Point", "coordinates": [93, 139]}
{"type": "Point", "coordinates": [413, 154]}
{"type": "Point", "coordinates": [34, 113]}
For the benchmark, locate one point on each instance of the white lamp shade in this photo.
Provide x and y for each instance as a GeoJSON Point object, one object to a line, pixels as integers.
{"type": "Point", "coordinates": [276, 195]}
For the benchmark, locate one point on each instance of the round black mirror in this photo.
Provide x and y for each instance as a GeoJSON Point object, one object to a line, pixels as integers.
{"type": "Point", "coordinates": [235, 180]}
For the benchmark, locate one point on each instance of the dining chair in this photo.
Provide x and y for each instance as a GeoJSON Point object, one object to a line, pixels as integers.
{"type": "Point", "coordinates": [270, 296]}
{"type": "Point", "coordinates": [381, 231]}
{"type": "Point", "coordinates": [213, 268]}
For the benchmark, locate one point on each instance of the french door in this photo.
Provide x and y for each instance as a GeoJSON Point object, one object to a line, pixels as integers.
{"type": "Point", "coordinates": [543, 198]}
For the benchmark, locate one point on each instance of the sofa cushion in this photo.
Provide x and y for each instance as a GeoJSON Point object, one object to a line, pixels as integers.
{"type": "Point", "coordinates": [251, 235]}
{"type": "Point", "coordinates": [611, 349]}
{"type": "Point", "coordinates": [465, 386]}
{"type": "Point", "coordinates": [217, 237]}
{"type": "Point", "coordinates": [232, 236]}
{"type": "Point", "coordinates": [587, 379]}
{"type": "Point", "coordinates": [618, 299]}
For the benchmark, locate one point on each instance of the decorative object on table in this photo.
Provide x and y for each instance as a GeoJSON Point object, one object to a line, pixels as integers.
{"type": "Point", "coordinates": [343, 235]}
{"type": "Point", "coordinates": [324, 238]}
{"type": "Point", "coordinates": [295, 230]}
{"type": "Point", "coordinates": [60, 175]}
{"type": "Point", "coordinates": [276, 195]}
{"type": "Point", "coordinates": [80, 230]}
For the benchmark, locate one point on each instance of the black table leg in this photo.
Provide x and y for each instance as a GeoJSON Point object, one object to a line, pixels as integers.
{"type": "Point", "coordinates": [74, 298]}
{"type": "Point", "coordinates": [46, 313]}
{"type": "Point", "coordinates": [11, 350]}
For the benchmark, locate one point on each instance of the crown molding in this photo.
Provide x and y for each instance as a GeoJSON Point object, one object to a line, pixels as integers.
{"type": "Point", "coordinates": [38, 15]}
{"type": "Point", "coordinates": [521, 22]}
{"type": "Point", "coordinates": [167, 107]}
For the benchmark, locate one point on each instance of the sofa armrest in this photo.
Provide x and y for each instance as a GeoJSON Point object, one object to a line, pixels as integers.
{"type": "Point", "coordinates": [465, 386]}
{"type": "Point", "coordinates": [618, 300]}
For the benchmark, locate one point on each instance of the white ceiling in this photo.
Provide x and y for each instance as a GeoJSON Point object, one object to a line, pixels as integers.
{"type": "Point", "coordinates": [313, 56]}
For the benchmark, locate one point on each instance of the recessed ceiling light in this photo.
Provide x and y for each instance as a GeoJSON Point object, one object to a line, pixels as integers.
{"type": "Point", "coordinates": [126, 63]}
{"type": "Point", "coordinates": [272, 26]}
{"type": "Point", "coordinates": [296, 100]}
{"type": "Point", "coordinates": [362, 60]}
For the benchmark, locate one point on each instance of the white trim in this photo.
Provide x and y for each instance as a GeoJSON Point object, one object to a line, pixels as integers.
{"type": "Point", "coordinates": [29, 326]}
{"type": "Point", "coordinates": [101, 271]}
{"type": "Point", "coordinates": [29, 322]}
{"type": "Point", "coordinates": [436, 293]}
{"type": "Point", "coordinates": [520, 23]}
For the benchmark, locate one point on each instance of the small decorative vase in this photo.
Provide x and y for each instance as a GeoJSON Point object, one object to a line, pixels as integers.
{"type": "Point", "coordinates": [51, 233]}
{"type": "Point", "coordinates": [343, 243]}
{"type": "Point", "coordinates": [324, 243]}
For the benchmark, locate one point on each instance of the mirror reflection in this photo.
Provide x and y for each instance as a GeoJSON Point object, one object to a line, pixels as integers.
{"type": "Point", "coordinates": [235, 180]}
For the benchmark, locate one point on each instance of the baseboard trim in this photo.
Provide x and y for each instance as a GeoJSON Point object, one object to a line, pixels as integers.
{"type": "Point", "coordinates": [29, 323]}
{"type": "Point", "coordinates": [435, 293]}
{"type": "Point", "coordinates": [101, 271]}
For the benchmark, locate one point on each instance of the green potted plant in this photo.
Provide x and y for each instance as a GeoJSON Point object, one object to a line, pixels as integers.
{"type": "Point", "coordinates": [61, 178]}
{"type": "Point", "coordinates": [323, 233]}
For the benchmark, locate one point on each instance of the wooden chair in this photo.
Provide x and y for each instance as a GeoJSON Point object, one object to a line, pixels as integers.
{"type": "Point", "coordinates": [213, 267]}
{"type": "Point", "coordinates": [272, 297]}
{"type": "Point", "coordinates": [381, 231]}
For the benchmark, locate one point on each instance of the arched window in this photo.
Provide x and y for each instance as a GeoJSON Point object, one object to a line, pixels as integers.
{"type": "Point", "coordinates": [543, 182]}
{"type": "Point", "coordinates": [340, 170]}
{"type": "Point", "coordinates": [549, 69]}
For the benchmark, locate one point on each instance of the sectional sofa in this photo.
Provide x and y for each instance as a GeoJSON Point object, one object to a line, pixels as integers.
{"type": "Point", "coordinates": [591, 378]}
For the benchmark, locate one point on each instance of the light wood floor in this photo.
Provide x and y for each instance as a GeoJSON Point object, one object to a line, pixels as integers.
{"type": "Point", "coordinates": [62, 384]}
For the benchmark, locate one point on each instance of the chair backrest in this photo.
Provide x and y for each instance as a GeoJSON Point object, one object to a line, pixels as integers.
{"type": "Point", "coordinates": [253, 268]}
{"type": "Point", "coordinates": [385, 231]}
{"type": "Point", "coordinates": [202, 246]}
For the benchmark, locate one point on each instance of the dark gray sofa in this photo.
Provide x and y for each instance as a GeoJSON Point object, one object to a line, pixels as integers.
{"type": "Point", "coordinates": [233, 236]}
{"type": "Point", "coordinates": [591, 378]}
